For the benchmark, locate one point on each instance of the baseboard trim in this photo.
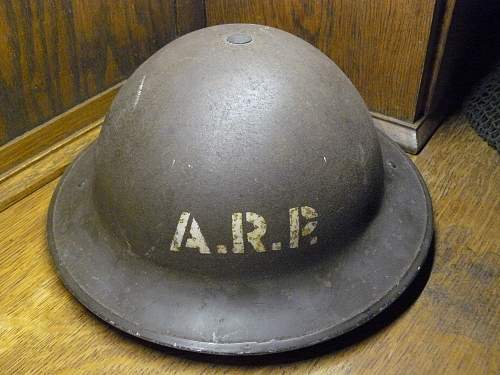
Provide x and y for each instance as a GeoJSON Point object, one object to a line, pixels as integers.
{"type": "Point", "coordinates": [45, 136]}
{"type": "Point", "coordinates": [412, 137]}
{"type": "Point", "coordinates": [39, 170]}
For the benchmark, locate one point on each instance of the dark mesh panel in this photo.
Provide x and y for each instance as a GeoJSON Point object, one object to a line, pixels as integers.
{"type": "Point", "coordinates": [482, 108]}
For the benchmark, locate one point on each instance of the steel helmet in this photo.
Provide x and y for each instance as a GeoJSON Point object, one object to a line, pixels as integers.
{"type": "Point", "coordinates": [239, 200]}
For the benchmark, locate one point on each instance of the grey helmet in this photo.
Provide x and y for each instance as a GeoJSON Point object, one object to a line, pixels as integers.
{"type": "Point", "coordinates": [239, 200]}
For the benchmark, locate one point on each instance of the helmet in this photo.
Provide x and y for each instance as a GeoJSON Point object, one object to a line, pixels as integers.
{"type": "Point", "coordinates": [239, 200]}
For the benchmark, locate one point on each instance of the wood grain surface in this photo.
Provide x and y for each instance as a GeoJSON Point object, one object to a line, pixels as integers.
{"type": "Point", "coordinates": [446, 324]}
{"type": "Point", "coordinates": [45, 166]}
{"type": "Point", "coordinates": [16, 153]}
{"type": "Point", "coordinates": [381, 45]}
{"type": "Point", "coordinates": [55, 54]}
{"type": "Point", "coordinates": [190, 15]}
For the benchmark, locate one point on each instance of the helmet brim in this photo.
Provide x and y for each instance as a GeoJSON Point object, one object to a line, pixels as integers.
{"type": "Point", "coordinates": [232, 316]}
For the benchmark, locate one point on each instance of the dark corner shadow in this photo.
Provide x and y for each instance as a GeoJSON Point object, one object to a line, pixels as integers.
{"type": "Point", "coordinates": [378, 323]}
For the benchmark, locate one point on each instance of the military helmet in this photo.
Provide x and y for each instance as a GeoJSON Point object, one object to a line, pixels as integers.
{"type": "Point", "coordinates": [239, 200]}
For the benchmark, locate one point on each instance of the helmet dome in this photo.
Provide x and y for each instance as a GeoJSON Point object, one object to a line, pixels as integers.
{"type": "Point", "coordinates": [237, 148]}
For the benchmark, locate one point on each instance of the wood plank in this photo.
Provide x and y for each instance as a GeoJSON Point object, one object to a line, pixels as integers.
{"type": "Point", "coordinates": [43, 137]}
{"type": "Point", "coordinates": [381, 45]}
{"type": "Point", "coordinates": [56, 54]}
{"type": "Point", "coordinates": [452, 328]}
{"type": "Point", "coordinates": [44, 167]}
{"type": "Point", "coordinates": [190, 15]}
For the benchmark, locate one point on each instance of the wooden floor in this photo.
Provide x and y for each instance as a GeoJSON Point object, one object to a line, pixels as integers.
{"type": "Point", "coordinates": [448, 322]}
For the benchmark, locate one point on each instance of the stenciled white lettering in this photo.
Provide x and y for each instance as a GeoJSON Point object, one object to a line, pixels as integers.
{"type": "Point", "coordinates": [196, 240]}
